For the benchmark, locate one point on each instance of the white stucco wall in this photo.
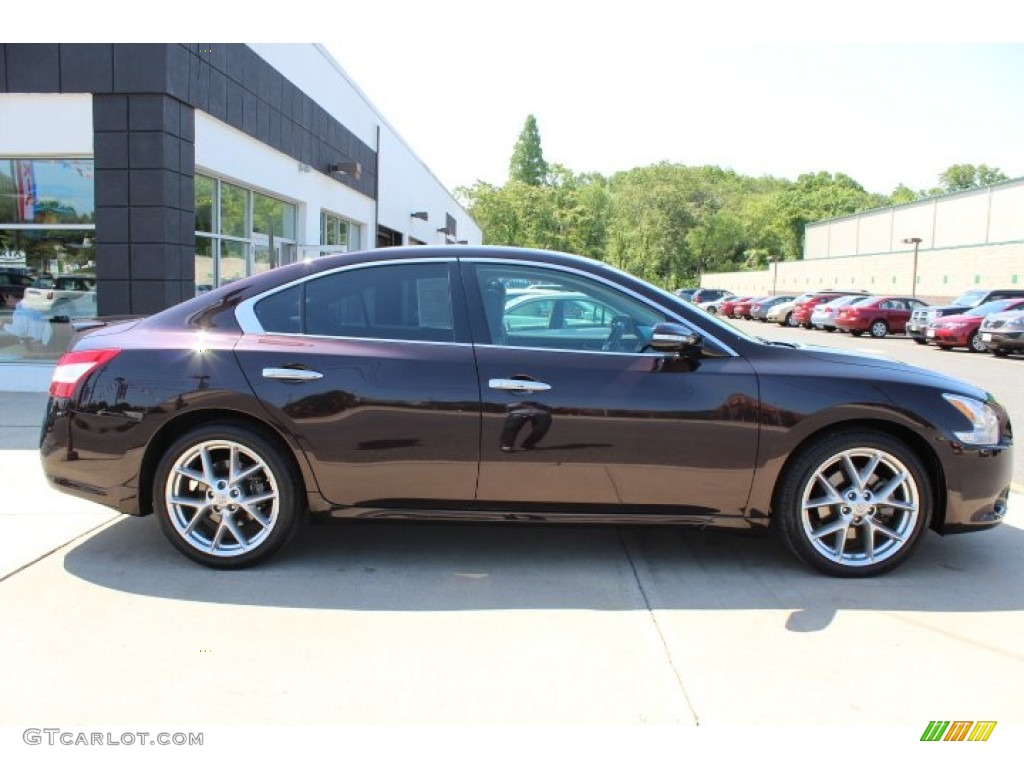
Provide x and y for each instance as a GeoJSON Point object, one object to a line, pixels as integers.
{"type": "Point", "coordinates": [42, 125]}
{"type": "Point", "coordinates": [405, 183]}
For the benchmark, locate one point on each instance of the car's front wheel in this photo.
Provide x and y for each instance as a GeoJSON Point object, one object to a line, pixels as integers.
{"type": "Point", "coordinates": [854, 503]}
{"type": "Point", "coordinates": [225, 496]}
{"type": "Point", "coordinates": [791, 321]}
{"type": "Point", "coordinates": [975, 344]}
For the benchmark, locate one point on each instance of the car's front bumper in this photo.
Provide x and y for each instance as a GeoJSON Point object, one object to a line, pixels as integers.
{"type": "Point", "coordinates": [1008, 341]}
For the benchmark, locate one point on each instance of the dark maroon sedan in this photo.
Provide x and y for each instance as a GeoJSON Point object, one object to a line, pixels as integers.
{"type": "Point", "coordinates": [392, 384]}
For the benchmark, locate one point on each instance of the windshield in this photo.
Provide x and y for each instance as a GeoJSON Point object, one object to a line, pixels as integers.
{"type": "Point", "coordinates": [970, 298]}
{"type": "Point", "coordinates": [993, 306]}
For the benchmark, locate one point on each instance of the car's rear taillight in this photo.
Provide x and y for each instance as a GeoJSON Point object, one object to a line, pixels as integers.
{"type": "Point", "coordinates": [75, 366]}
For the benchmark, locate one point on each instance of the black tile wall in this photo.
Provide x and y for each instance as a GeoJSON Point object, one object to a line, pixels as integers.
{"type": "Point", "coordinates": [87, 68]}
{"type": "Point", "coordinates": [33, 68]}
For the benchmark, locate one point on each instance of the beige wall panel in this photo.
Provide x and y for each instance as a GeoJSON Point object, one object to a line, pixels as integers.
{"type": "Point", "coordinates": [816, 241]}
{"type": "Point", "coordinates": [961, 220]}
{"type": "Point", "coordinates": [917, 220]}
{"type": "Point", "coordinates": [843, 238]}
{"type": "Point", "coordinates": [1006, 220]}
{"type": "Point", "coordinates": [875, 232]}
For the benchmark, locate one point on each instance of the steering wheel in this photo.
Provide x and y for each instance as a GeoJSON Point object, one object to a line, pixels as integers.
{"type": "Point", "coordinates": [621, 325]}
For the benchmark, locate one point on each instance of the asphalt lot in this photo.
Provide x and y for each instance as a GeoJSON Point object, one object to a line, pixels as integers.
{"type": "Point", "coordinates": [361, 624]}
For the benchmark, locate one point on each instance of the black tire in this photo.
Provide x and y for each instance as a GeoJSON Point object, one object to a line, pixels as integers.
{"type": "Point", "coordinates": [789, 322]}
{"type": "Point", "coordinates": [230, 533]}
{"type": "Point", "coordinates": [879, 329]}
{"type": "Point", "coordinates": [975, 344]}
{"type": "Point", "coordinates": [857, 333]}
{"type": "Point", "coordinates": [712, 311]}
{"type": "Point", "coordinates": [820, 474]}
{"type": "Point", "coordinates": [919, 341]}
{"type": "Point", "coordinates": [1000, 352]}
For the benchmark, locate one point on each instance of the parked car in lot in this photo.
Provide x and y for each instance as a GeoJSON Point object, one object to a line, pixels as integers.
{"type": "Point", "coordinates": [877, 315]}
{"type": "Point", "coordinates": [803, 309]}
{"type": "Point", "coordinates": [685, 293]}
{"type": "Point", "coordinates": [964, 330]}
{"type": "Point", "coordinates": [67, 295]}
{"type": "Point", "coordinates": [704, 295]}
{"type": "Point", "coordinates": [12, 287]}
{"type": "Point", "coordinates": [722, 306]}
{"type": "Point", "coordinates": [741, 309]}
{"type": "Point", "coordinates": [760, 310]}
{"type": "Point", "coordinates": [823, 316]}
{"type": "Point", "coordinates": [783, 313]}
{"type": "Point", "coordinates": [1003, 332]}
{"type": "Point", "coordinates": [917, 327]}
{"type": "Point", "coordinates": [388, 384]}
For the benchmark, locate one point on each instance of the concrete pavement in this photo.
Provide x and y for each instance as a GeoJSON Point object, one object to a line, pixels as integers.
{"type": "Point", "coordinates": [447, 624]}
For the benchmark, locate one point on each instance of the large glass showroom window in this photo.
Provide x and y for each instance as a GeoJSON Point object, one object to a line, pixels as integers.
{"type": "Point", "coordinates": [239, 232]}
{"type": "Point", "coordinates": [47, 257]}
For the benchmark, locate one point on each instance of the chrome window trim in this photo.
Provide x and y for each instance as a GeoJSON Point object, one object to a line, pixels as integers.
{"type": "Point", "coordinates": [245, 313]}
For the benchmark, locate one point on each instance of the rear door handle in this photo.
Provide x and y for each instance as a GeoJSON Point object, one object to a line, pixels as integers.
{"type": "Point", "coordinates": [291, 374]}
{"type": "Point", "coordinates": [518, 385]}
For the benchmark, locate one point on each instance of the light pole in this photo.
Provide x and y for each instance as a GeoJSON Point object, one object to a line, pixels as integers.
{"type": "Point", "coordinates": [775, 274]}
{"type": "Point", "coordinates": [916, 241]}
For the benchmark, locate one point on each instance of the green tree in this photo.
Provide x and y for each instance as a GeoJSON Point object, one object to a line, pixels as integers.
{"type": "Point", "coordinates": [903, 194]}
{"type": "Point", "coordinates": [527, 164]}
{"type": "Point", "coordinates": [965, 176]}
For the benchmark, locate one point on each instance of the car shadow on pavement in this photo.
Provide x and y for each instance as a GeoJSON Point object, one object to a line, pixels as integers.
{"type": "Point", "coordinates": [362, 566]}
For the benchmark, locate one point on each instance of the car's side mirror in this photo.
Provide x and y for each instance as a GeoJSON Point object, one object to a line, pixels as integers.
{"type": "Point", "coordinates": [675, 339]}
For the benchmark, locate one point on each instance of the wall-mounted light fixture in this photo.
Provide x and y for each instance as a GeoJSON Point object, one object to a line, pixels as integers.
{"type": "Point", "coordinates": [462, 242]}
{"type": "Point", "coordinates": [421, 215]}
{"type": "Point", "coordinates": [443, 230]}
{"type": "Point", "coordinates": [351, 168]}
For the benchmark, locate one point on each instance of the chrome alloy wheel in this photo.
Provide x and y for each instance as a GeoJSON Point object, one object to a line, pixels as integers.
{"type": "Point", "coordinates": [222, 498]}
{"type": "Point", "coordinates": [860, 507]}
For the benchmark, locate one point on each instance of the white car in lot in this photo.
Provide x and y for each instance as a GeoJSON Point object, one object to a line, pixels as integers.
{"type": "Point", "coordinates": [67, 295]}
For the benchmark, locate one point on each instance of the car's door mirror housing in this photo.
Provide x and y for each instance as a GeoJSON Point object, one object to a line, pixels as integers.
{"type": "Point", "coordinates": [676, 339]}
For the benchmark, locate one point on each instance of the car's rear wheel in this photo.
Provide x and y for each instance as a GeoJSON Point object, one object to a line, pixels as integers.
{"type": "Point", "coordinates": [854, 503]}
{"type": "Point", "coordinates": [878, 329]}
{"type": "Point", "coordinates": [791, 321]}
{"type": "Point", "coordinates": [225, 496]}
{"type": "Point", "coordinates": [975, 344]}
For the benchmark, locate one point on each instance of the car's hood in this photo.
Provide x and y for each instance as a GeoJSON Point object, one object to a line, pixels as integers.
{"type": "Point", "coordinates": [958, 319]}
{"type": "Point", "coordinates": [877, 363]}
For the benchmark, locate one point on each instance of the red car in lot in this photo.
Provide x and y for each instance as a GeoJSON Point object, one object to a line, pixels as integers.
{"type": "Point", "coordinates": [741, 309]}
{"type": "Point", "coordinates": [879, 316]}
{"type": "Point", "coordinates": [725, 306]}
{"type": "Point", "coordinates": [963, 330]}
{"type": "Point", "coordinates": [802, 309]}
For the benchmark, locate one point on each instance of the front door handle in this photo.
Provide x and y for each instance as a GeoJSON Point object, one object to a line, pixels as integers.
{"type": "Point", "coordinates": [291, 374]}
{"type": "Point", "coordinates": [518, 385]}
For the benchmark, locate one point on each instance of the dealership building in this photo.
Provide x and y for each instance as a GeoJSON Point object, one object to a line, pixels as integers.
{"type": "Point", "coordinates": [133, 176]}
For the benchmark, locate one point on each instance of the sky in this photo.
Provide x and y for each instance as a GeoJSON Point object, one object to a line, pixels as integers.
{"type": "Point", "coordinates": [885, 91]}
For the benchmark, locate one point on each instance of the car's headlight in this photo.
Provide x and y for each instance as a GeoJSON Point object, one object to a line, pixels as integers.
{"type": "Point", "coordinates": [983, 418]}
{"type": "Point", "coordinates": [1017, 322]}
